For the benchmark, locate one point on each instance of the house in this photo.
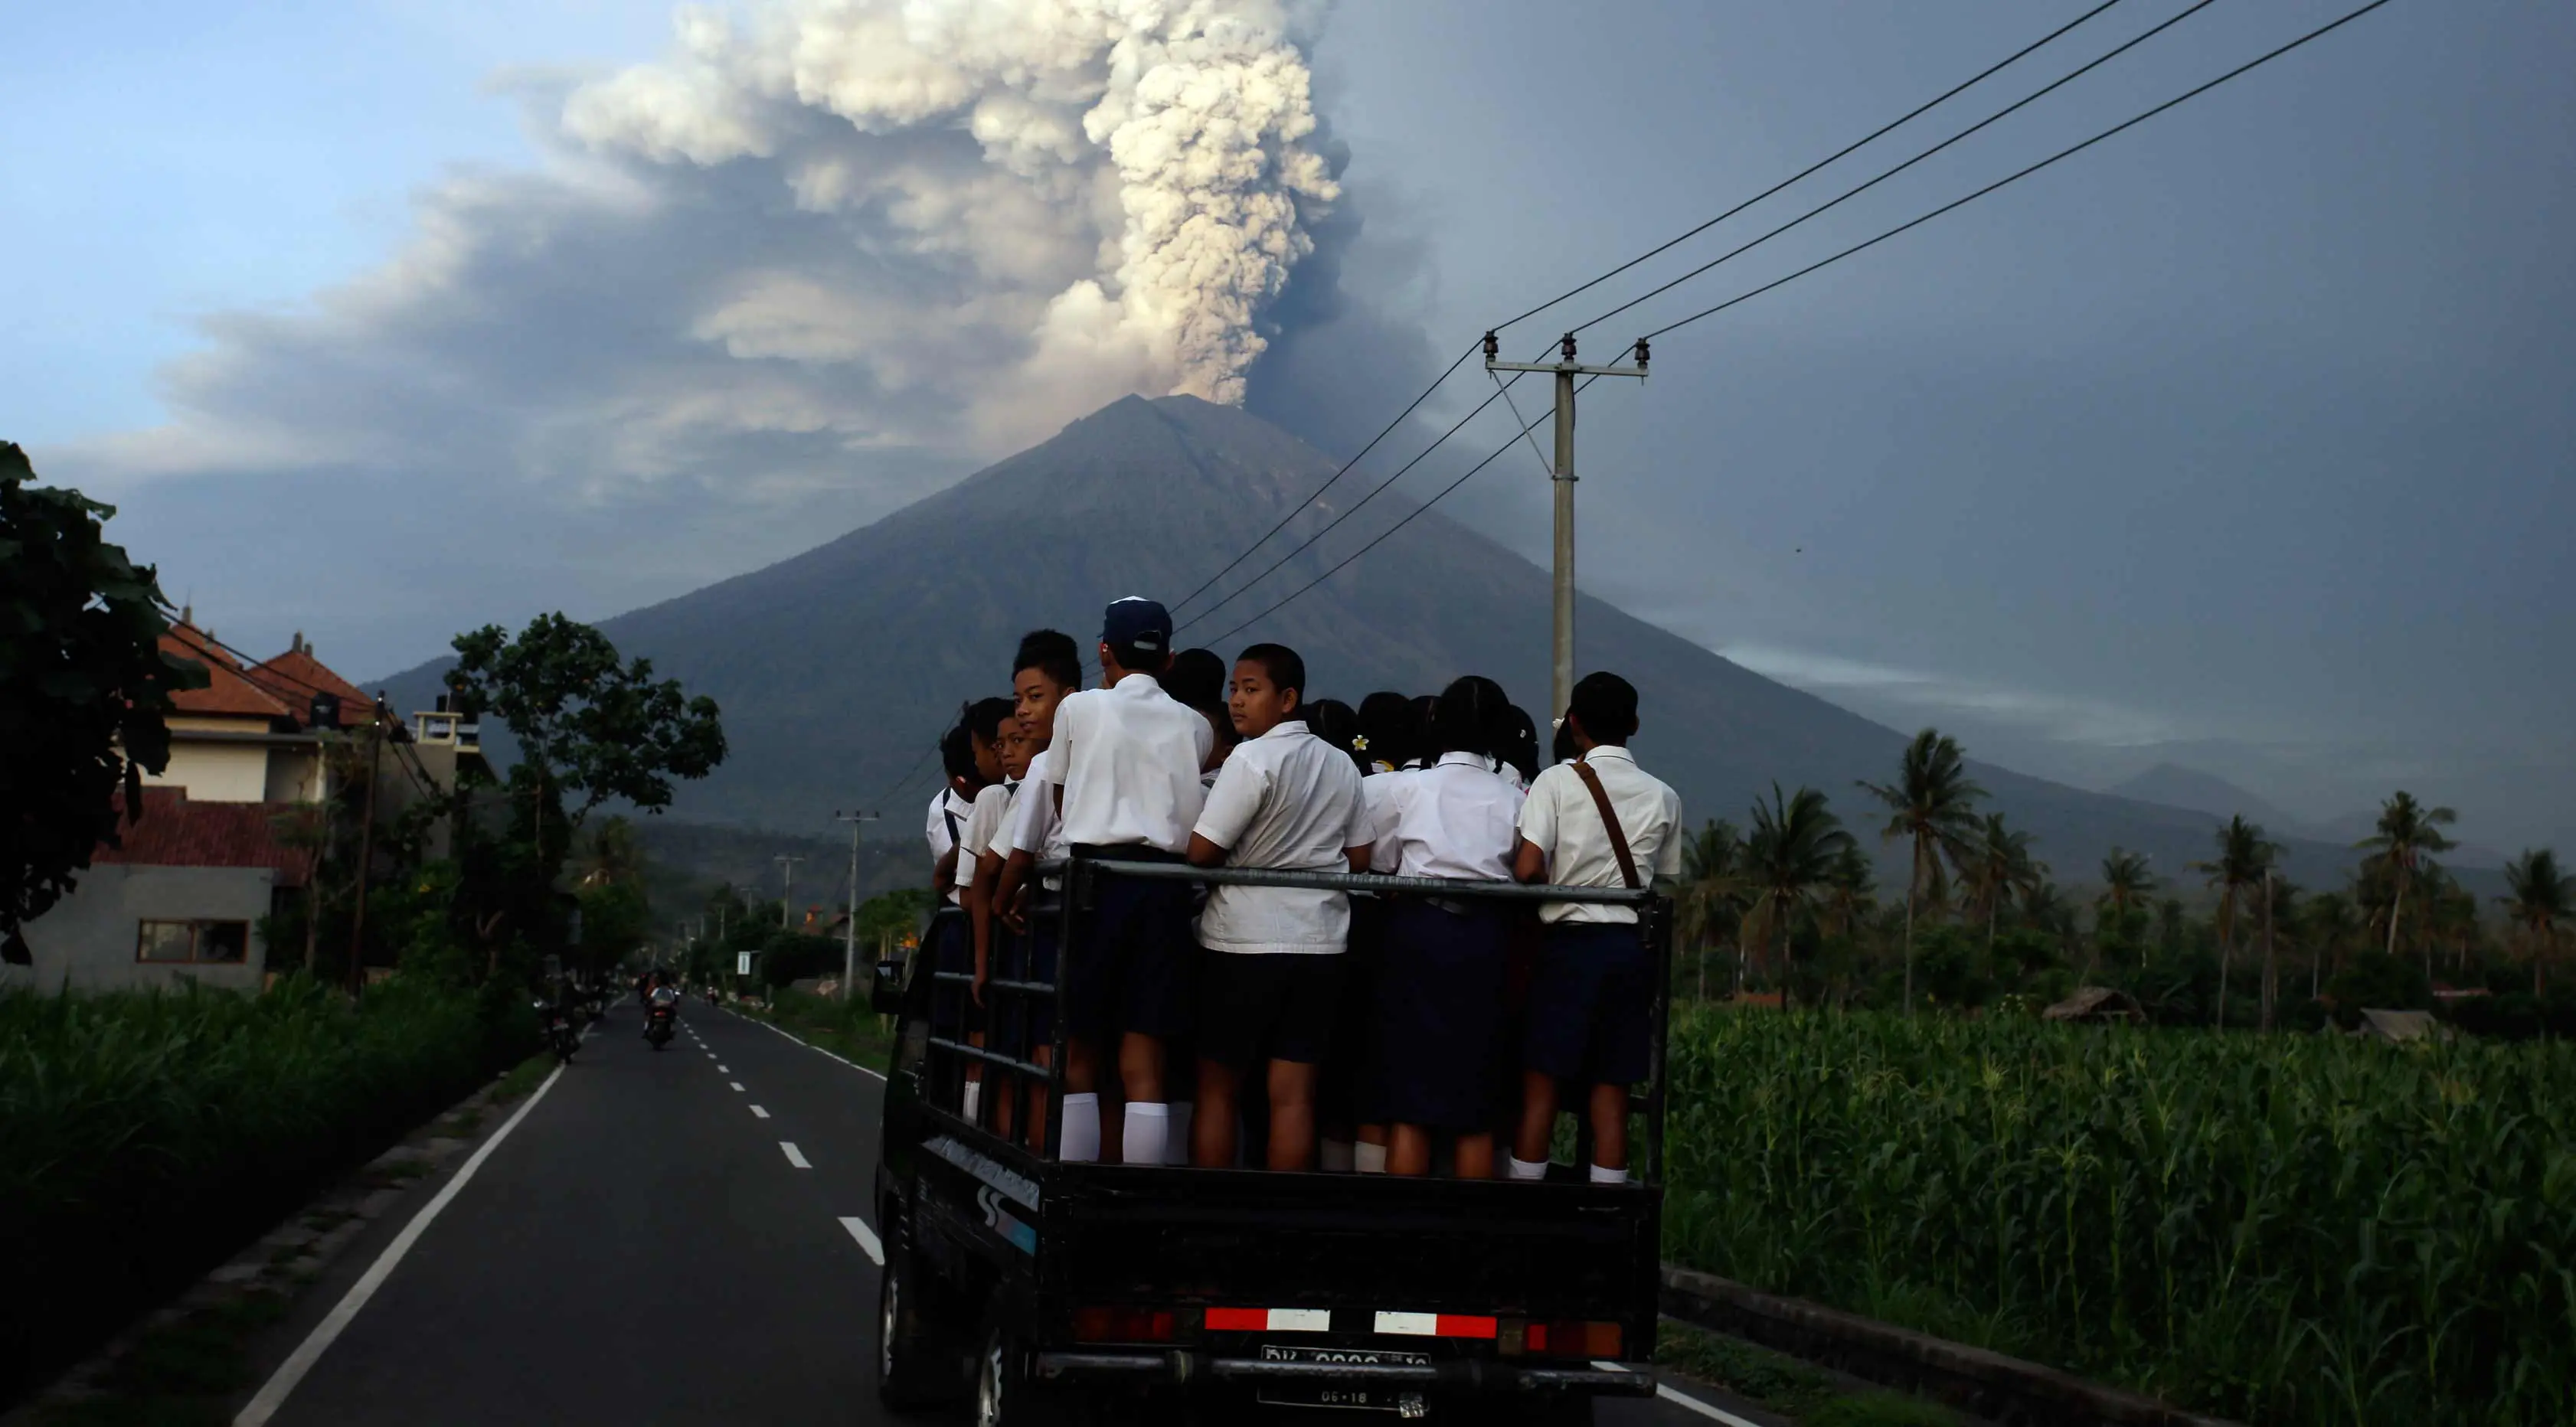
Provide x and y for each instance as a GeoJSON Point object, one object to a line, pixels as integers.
{"type": "Point", "coordinates": [222, 836]}
{"type": "Point", "coordinates": [2098, 1005]}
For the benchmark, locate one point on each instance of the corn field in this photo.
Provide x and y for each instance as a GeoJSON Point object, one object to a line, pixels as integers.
{"type": "Point", "coordinates": [2281, 1229]}
{"type": "Point", "coordinates": [145, 1136]}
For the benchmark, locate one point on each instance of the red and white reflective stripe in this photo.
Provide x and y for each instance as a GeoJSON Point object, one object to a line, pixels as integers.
{"type": "Point", "coordinates": [1270, 1320]}
{"type": "Point", "coordinates": [1435, 1325]}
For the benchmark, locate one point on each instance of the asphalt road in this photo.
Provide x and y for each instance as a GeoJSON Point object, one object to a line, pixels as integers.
{"type": "Point", "coordinates": [660, 1240]}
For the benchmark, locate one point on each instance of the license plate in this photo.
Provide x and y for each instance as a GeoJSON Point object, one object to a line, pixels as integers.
{"type": "Point", "coordinates": [1405, 1399]}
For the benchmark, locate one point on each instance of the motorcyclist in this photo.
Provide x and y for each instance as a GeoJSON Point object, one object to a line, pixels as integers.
{"type": "Point", "coordinates": [661, 994]}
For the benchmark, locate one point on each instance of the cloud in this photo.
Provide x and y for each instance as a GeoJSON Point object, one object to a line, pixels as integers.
{"type": "Point", "coordinates": [822, 242]}
{"type": "Point", "coordinates": [1913, 693]}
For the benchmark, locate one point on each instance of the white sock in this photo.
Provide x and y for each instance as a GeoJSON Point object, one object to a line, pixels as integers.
{"type": "Point", "coordinates": [1178, 1151]}
{"type": "Point", "coordinates": [1081, 1128]}
{"type": "Point", "coordinates": [1149, 1128]}
{"type": "Point", "coordinates": [1523, 1169]}
{"type": "Point", "coordinates": [974, 1097]}
{"type": "Point", "coordinates": [1368, 1158]}
{"type": "Point", "coordinates": [1335, 1157]}
{"type": "Point", "coordinates": [1599, 1175]}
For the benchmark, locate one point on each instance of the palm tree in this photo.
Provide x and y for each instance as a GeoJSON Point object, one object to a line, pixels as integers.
{"type": "Point", "coordinates": [2126, 886]}
{"type": "Point", "coordinates": [2407, 831]}
{"type": "Point", "coordinates": [1848, 888]}
{"type": "Point", "coordinates": [2001, 868]}
{"type": "Point", "coordinates": [2281, 910]}
{"type": "Point", "coordinates": [2542, 897]}
{"type": "Point", "coordinates": [1711, 898]}
{"type": "Point", "coordinates": [2327, 926]}
{"type": "Point", "coordinates": [1791, 857]}
{"type": "Point", "coordinates": [2243, 856]}
{"type": "Point", "coordinates": [1932, 803]}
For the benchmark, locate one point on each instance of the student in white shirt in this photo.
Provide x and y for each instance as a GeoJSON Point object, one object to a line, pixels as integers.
{"type": "Point", "coordinates": [1593, 993]}
{"type": "Point", "coordinates": [1389, 731]}
{"type": "Point", "coordinates": [1127, 758]}
{"type": "Point", "coordinates": [1046, 669]}
{"type": "Point", "coordinates": [1287, 801]}
{"type": "Point", "coordinates": [978, 868]}
{"type": "Point", "coordinates": [1440, 988]}
{"type": "Point", "coordinates": [970, 763]}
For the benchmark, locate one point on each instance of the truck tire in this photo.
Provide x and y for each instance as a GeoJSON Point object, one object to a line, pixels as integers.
{"type": "Point", "coordinates": [1006, 1396]}
{"type": "Point", "coordinates": [909, 1367]}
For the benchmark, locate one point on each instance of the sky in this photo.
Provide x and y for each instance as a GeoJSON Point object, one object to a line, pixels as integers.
{"type": "Point", "coordinates": [2241, 440]}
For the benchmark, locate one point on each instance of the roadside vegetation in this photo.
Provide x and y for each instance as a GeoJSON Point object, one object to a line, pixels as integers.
{"type": "Point", "coordinates": [2283, 1229]}
{"type": "Point", "coordinates": [145, 1136]}
{"type": "Point", "coordinates": [845, 1028]}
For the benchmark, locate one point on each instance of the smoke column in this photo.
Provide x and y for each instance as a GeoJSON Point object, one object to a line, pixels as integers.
{"type": "Point", "coordinates": [1142, 181]}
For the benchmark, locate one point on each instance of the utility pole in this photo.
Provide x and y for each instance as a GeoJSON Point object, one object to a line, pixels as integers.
{"type": "Point", "coordinates": [850, 924]}
{"type": "Point", "coordinates": [1565, 369]}
{"type": "Point", "coordinates": [786, 885]}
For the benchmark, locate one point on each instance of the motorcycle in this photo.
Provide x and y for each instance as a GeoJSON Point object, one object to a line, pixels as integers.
{"type": "Point", "coordinates": [561, 1037]}
{"type": "Point", "coordinates": [659, 1018]}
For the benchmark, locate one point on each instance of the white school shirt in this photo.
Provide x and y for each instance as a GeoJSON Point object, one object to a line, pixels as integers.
{"type": "Point", "coordinates": [1456, 818]}
{"type": "Point", "coordinates": [1560, 819]}
{"type": "Point", "coordinates": [1032, 826]}
{"type": "Point", "coordinates": [1128, 757]}
{"type": "Point", "coordinates": [982, 824]}
{"type": "Point", "coordinates": [943, 805]}
{"type": "Point", "coordinates": [1286, 801]}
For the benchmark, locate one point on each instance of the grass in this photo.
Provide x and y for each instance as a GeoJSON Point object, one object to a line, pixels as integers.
{"type": "Point", "coordinates": [2283, 1229]}
{"type": "Point", "coordinates": [1880, 1409]}
{"type": "Point", "coordinates": [144, 1137]}
{"type": "Point", "coordinates": [846, 1028]}
{"type": "Point", "coordinates": [180, 1373]}
{"type": "Point", "coordinates": [1783, 1384]}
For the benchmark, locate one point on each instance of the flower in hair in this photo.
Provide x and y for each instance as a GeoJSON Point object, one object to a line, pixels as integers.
{"type": "Point", "coordinates": [1359, 743]}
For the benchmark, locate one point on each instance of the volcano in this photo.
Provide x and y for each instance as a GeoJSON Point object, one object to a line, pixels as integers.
{"type": "Point", "coordinates": [837, 668]}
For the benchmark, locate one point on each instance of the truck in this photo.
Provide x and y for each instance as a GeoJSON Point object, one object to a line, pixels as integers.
{"type": "Point", "coordinates": [1044, 1291]}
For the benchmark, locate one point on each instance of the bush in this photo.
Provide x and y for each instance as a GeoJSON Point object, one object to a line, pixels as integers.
{"type": "Point", "coordinates": [144, 1136]}
{"type": "Point", "coordinates": [2279, 1229]}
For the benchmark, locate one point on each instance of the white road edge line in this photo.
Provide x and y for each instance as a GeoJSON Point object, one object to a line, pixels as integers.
{"type": "Point", "coordinates": [809, 1045]}
{"type": "Point", "coordinates": [1681, 1400]}
{"type": "Point", "coordinates": [763, 1114]}
{"type": "Point", "coordinates": [794, 1155]}
{"type": "Point", "coordinates": [867, 1238]}
{"type": "Point", "coordinates": [272, 1395]}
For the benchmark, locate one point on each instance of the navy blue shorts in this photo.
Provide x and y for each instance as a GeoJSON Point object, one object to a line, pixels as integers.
{"type": "Point", "coordinates": [1022, 1023]}
{"type": "Point", "coordinates": [1440, 1015]}
{"type": "Point", "coordinates": [1590, 1000]}
{"type": "Point", "coordinates": [1347, 1093]}
{"type": "Point", "coordinates": [1134, 967]}
{"type": "Point", "coordinates": [950, 945]}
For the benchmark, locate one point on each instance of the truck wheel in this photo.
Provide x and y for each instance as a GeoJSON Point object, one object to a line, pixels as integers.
{"type": "Point", "coordinates": [1006, 1396]}
{"type": "Point", "coordinates": [908, 1364]}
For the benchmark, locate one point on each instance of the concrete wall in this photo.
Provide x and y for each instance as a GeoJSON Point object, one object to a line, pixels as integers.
{"type": "Point", "coordinates": [88, 940]}
{"type": "Point", "coordinates": [216, 772]}
{"type": "Point", "coordinates": [294, 775]}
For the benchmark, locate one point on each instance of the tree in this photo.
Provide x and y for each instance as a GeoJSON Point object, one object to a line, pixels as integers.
{"type": "Point", "coordinates": [2327, 925]}
{"type": "Point", "coordinates": [613, 855]}
{"type": "Point", "coordinates": [2243, 856]}
{"type": "Point", "coordinates": [2000, 868]}
{"type": "Point", "coordinates": [84, 690]}
{"type": "Point", "coordinates": [1932, 804]}
{"type": "Point", "coordinates": [1790, 857]}
{"type": "Point", "coordinates": [1710, 899]}
{"type": "Point", "coordinates": [2407, 831]}
{"type": "Point", "coordinates": [2539, 897]}
{"type": "Point", "coordinates": [2126, 885]}
{"type": "Point", "coordinates": [585, 723]}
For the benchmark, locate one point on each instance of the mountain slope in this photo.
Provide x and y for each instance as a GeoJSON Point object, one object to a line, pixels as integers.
{"type": "Point", "coordinates": [836, 668]}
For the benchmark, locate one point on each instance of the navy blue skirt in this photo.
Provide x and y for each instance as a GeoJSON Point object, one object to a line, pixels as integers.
{"type": "Point", "coordinates": [1440, 1015]}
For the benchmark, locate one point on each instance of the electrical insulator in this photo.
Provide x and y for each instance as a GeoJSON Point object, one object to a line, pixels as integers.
{"type": "Point", "coordinates": [1568, 347]}
{"type": "Point", "coordinates": [1493, 347]}
{"type": "Point", "coordinates": [1643, 353]}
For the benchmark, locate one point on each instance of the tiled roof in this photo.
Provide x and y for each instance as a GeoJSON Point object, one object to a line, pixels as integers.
{"type": "Point", "coordinates": [226, 691]}
{"type": "Point", "coordinates": [175, 832]}
{"type": "Point", "coordinates": [294, 676]}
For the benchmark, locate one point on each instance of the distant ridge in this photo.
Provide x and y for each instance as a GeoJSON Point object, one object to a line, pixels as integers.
{"type": "Point", "coordinates": [836, 668]}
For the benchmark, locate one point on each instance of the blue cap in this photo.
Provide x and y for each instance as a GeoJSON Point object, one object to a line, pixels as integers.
{"type": "Point", "coordinates": [1137, 622]}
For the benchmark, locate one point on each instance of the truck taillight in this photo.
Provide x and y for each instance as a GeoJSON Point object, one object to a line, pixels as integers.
{"type": "Point", "coordinates": [1125, 1325]}
{"type": "Point", "coordinates": [1567, 1339]}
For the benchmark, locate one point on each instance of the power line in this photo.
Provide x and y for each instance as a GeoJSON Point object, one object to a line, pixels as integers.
{"type": "Point", "coordinates": [2019, 175]}
{"type": "Point", "coordinates": [1908, 117]}
{"type": "Point", "coordinates": [1390, 530]}
{"type": "Point", "coordinates": [1838, 199]}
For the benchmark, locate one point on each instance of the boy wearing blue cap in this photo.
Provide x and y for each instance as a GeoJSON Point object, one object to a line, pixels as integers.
{"type": "Point", "coordinates": [1126, 760]}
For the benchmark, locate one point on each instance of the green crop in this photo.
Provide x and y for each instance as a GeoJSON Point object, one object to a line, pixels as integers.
{"type": "Point", "coordinates": [145, 1136]}
{"type": "Point", "coordinates": [2290, 1229]}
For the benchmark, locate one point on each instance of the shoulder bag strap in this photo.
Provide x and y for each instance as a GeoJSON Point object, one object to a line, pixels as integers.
{"type": "Point", "coordinates": [1610, 823]}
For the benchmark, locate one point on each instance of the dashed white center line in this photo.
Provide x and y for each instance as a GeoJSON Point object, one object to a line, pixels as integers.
{"type": "Point", "coordinates": [737, 1085]}
{"type": "Point", "coordinates": [867, 1238]}
{"type": "Point", "coordinates": [794, 1155]}
{"type": "Point", "coordinates": [724, 1070]}
{"type": "Point", "coordinates": [764, 1114]}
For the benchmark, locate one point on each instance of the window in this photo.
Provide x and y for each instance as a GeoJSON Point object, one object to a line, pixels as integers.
{"type": "Point", "coordinates": [187, 942]}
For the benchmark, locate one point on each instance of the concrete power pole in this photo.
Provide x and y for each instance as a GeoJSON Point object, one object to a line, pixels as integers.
{"type": "Point", "coordinates": [1565, 370]}
{"type": "Point", "coordinates": [850, 924]}
{"type": "Point", "coordinates": [786, 885]}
